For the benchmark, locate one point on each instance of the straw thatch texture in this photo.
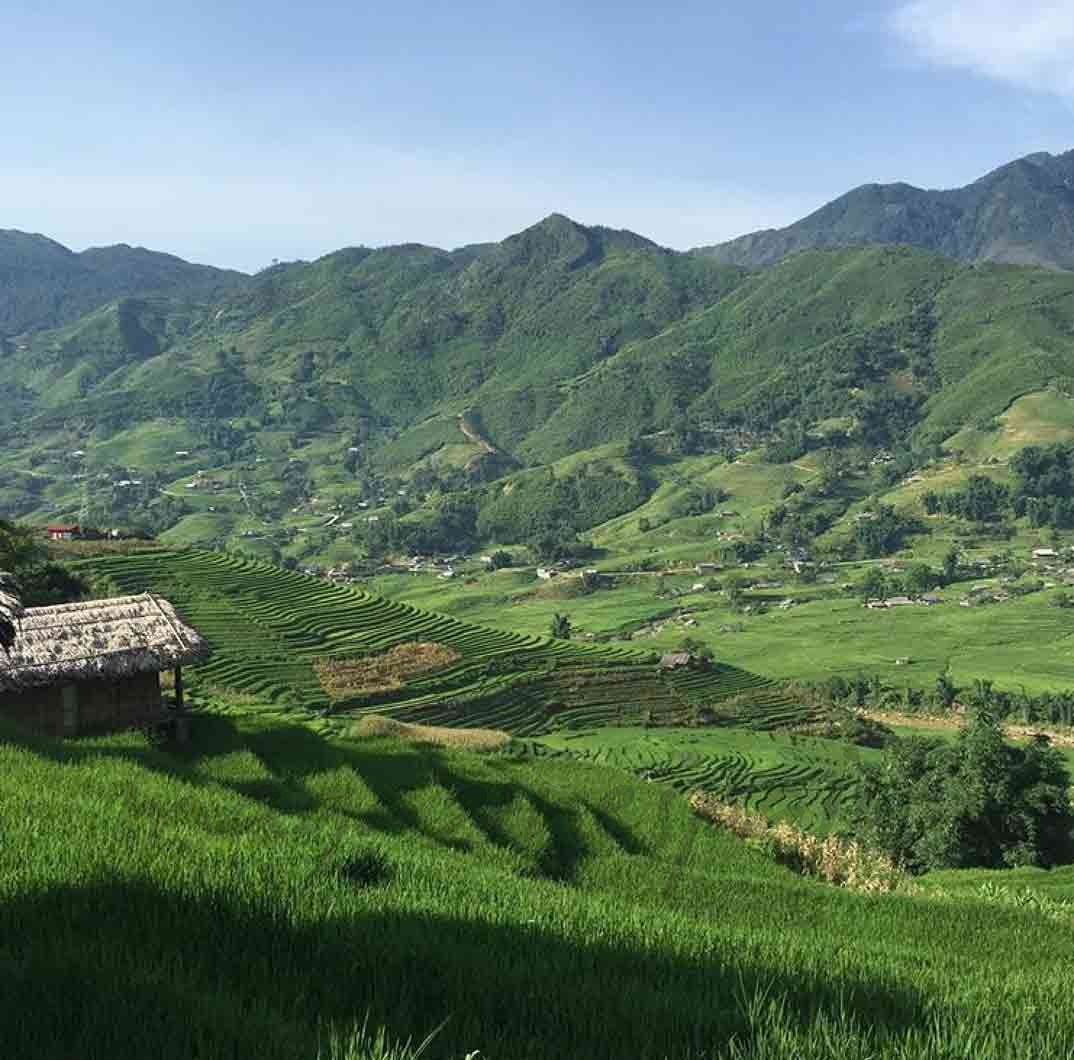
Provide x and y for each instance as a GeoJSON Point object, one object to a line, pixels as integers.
{"type": "Point", "coordinates": [96, 639]}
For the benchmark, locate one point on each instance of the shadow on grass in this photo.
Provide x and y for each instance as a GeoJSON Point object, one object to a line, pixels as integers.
{"type": "Point", "coordinates": [122, 968]}
{"type": "Point", "coordinates": [291, 753]}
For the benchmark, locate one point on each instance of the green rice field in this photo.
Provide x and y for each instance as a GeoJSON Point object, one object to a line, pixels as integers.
{"type": "Point", "coordinates": [267, 627]}
{"type": "Point", "coordinates": [268, 891]}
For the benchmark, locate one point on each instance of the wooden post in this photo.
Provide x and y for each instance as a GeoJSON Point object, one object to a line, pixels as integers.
{"type": "Point", "coordinates": [178, 688]}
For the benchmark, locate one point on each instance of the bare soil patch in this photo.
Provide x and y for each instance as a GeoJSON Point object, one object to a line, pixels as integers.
{"type": "Point", "coordinates": [387, 672]}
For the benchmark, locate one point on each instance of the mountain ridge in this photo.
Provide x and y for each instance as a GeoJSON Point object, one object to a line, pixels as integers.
{"type": "Point", "coordinates": [44, 284]}
{"type": "Point", "coordinates": [326, 378]}
{"type": "Point", "coordinates": [1020, 213]}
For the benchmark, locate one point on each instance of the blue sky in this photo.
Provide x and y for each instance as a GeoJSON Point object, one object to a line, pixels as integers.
{"type": "Point", "coordinates": [236, 132]}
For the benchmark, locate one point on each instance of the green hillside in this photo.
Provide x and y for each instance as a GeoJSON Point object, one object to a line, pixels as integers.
{"type": "Point", "coordinates": [436, 372]}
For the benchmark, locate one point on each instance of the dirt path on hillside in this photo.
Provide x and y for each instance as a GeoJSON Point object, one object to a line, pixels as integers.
{"type": "Point", "coordinates": [476, 436]}
{"type": "Point", "coordinates": [1058, 737]}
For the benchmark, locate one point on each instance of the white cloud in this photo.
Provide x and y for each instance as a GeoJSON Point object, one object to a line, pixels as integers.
{"type": "Point", "coordinates": [1028, 43]}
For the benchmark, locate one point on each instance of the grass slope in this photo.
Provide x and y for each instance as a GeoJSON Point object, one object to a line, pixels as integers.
{"type": "Point", "coordinates": [268, 891]}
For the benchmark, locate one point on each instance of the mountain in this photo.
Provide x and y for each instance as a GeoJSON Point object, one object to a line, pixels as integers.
{"type": "Point", "coordinates": [43, 284]}
{"type": "Point", "coordinates": [435, 372]}
{"type": "Point", "coordinates": [1022, 213]}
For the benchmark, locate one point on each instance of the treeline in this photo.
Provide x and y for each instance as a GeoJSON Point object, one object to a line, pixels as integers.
{"type": "Point", "coordinates": [1043, 491]}
{"type": "Point", "coordinates": [543, 511]}
{"type": "Point", "coordinates": [547, 512]}
{"type": "Point", "coordinates": [945, 696]}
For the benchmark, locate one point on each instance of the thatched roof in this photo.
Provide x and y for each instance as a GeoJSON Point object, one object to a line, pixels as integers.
{"type": "Point", "coordinates": [95, 639]}
{"type": "Point", "coordinates": [672, 660]}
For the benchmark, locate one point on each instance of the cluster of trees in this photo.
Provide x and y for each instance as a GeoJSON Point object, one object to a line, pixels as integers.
{"type": "Point", "coordinates": [917, 578]}
{"type": "Point", "coordinates": [884, 532]}
{"type": "Point", "coordinates": [1043, 491]}
{"type": "Point", "coordinates": [41, 582]}
{"type": "Point", "coordinates": [977, 802]}
{"type": "Point", "coordinates": [447, 525]}
{"type": "Point", "coordinates": [697, 500]}
{"type": "Point", "coordinates": [981, 500]}
{"type": "Point", "coordinates": [850, 378]}
{"type": "Point", "coordinates": [547, 512]}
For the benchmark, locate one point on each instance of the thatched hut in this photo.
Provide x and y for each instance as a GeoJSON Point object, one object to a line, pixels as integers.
{"type": "Point", "coordinates": [676, 660]}
{"type": "Point", "coordinates": [92, 666]}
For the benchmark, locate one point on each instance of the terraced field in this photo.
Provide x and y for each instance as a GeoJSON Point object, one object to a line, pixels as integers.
{"type": "Point", "coordinates": [718, 730]}
{"type": "Point", "coordinates": [798, 778]}
{"type": "Point", "coordinates": [268, 626]}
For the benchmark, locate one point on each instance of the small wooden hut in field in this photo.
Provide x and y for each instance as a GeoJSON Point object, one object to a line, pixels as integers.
{"type": "Point", "coordinates": [676, 660]}
{"type": "Point", "coordinates": [92, 666]}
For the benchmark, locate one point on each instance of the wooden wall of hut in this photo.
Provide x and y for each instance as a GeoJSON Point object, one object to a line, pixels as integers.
{"type": "Point", "coordinates": [85, 707]}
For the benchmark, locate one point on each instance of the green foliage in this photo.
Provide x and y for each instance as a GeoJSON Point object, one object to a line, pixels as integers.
{"type": "Point", "coordinates": [561, 627]}
{"type": "Point", "coordinates": [40, 582]}
{"type": "Point", "coordinates": [18, 550]}
{"type": "Point", "coordinates": [547, 511]}
{"type": "Point", "coordinates": [697, 500]}
{"type": "Point", "coordinates": [977, 802]}
{"type": "Point", "coordinates": [883, 532]}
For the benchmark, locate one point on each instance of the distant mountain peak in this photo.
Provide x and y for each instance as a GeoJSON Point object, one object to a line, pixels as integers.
{"type": "Point", "coordinates": [45, 284]}
{"type": "Point", "coordinates": [1020, 213]}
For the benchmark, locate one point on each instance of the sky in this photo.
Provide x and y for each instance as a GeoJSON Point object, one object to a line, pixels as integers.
{"type": "Point", "coordinates": [238, 133]}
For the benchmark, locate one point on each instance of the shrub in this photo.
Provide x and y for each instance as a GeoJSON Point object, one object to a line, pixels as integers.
{"type": "Point", "coordinates": [979, 802]}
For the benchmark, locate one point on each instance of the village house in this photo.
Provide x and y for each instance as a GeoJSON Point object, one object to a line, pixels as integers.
{"type": "Point", "coordinates": [92, 666]}
{"type": "Point", "coordinates": [63, 531]}
{"type": "Point", "coordinates": [676, 660]}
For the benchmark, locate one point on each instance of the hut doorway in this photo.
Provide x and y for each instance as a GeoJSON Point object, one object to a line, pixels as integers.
{"type": "Point", "coordinates": [70, 708]}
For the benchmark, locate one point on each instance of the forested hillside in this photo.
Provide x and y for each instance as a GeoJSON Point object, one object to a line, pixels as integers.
{"type": "Point", "coordinates": [43, 284]}
{"type": "Point", "coordinates": [424, 375]}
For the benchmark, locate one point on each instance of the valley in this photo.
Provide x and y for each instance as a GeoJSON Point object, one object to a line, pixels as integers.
{"type": "Point", "coordinates": [593, 649]}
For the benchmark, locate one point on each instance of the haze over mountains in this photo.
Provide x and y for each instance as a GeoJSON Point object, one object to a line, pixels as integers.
{"type": "Point", "coordinates": [43, 284]}
{"type": "Point", "coordinates": [1021, 213]}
